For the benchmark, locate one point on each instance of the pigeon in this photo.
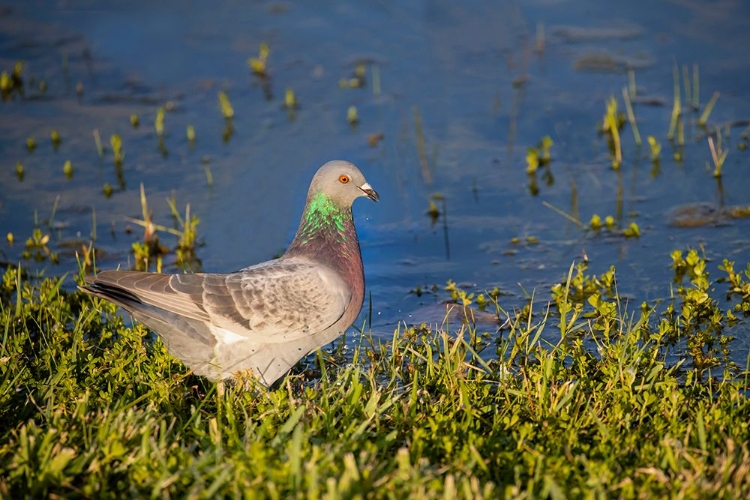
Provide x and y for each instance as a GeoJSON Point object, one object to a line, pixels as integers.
{"type": "Point", "coordinates": [263, 318]}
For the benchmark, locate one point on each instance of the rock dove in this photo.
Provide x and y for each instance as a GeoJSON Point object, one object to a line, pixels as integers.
{"type": "Point", "coordinates": [263, 318]}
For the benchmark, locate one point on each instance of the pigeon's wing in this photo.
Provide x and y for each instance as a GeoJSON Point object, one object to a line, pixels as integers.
{"type": "Point", "coordinates": [274, 302]}
{"type": "Point", "coordinates": [178, 294]}
{"type": "Point", "coordinates": [277, 301]}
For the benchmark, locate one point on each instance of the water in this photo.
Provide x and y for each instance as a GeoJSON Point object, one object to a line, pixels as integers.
{"type": "Point", "coordinates": [470, 73]}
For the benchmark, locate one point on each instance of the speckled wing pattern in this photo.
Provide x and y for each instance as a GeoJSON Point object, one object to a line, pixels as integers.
{"type": "Point", "coordinates": [263, 318]}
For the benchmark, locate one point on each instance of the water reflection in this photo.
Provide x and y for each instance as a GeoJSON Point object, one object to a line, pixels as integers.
{"type": "Point", "coordinates": [449, 98]}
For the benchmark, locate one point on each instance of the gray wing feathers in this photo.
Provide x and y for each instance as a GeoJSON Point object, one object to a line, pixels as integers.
{"type": "Point", "coordinates": [281, 303]}
{"type": "Point", "coordinates": [162, 291]}
{"type": "Point", "coordinates": [263, 318]}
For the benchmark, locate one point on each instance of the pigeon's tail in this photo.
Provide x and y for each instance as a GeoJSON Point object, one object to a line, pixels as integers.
{"type": "Point", "coordinates": [113, 293]}
{"type": "Point", "coordinates": [187, 339]}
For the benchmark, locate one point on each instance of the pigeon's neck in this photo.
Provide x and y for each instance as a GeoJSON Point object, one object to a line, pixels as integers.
{"type": "Point", "coordinates": [326, 230]}
{"type": "Point", "coordinates": [327, 235]}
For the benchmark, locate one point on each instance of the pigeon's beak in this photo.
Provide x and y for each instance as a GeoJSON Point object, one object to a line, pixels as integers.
{"type": "Point", "coordinates": [369, 192]}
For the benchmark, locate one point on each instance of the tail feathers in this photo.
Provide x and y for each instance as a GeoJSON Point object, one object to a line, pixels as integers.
{"type": "Point", "coordinates": [116, 294]}
{"type": "Point", "coordinates": [187, 339]}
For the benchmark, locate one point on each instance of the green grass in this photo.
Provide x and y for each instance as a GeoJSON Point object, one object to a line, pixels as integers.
{"type": "Point", "coordinates": [582, 400]}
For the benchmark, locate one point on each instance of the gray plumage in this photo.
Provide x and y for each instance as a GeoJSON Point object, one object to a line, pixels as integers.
{"type": "Point", "coordinates": [266, 317]}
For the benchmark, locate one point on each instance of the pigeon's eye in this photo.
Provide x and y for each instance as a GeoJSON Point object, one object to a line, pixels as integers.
{"type": "Point", "coordinates": [343, 179]}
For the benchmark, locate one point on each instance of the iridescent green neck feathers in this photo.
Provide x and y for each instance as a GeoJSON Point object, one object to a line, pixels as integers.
{"type": "Point", "coordinates": [322, 215]}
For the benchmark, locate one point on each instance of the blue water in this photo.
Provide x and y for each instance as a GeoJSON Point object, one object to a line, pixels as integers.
{"type": "Point", "coordinates": [472, 73]}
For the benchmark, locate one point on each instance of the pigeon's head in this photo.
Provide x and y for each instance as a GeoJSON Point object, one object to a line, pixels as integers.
{"type": "Point", "coordinates": [342, 183]}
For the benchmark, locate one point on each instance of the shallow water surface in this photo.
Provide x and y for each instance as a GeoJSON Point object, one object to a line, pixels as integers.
{"type": "Point", "coordinates": [458, 92]}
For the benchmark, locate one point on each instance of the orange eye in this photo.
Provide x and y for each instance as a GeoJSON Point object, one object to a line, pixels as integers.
{"type": "Point", "coordinates": [343, 179]}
